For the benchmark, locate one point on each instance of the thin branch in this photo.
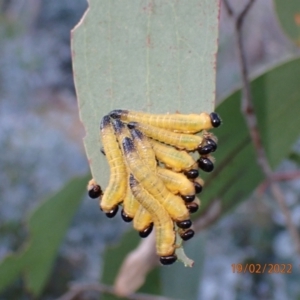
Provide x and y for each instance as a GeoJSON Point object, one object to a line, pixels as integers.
{"type": "Point", "coordinates": [77, 289]}
{"type": "Point", "coordinates": [247, 110]}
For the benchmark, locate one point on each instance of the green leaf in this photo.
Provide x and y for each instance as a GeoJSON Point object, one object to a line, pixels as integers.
{"type": "Point", "coordinates": [183, 283]}
{"type": "Point", "coordinates": [47, 227]}
{"type": "Point", "coordinates": [156, 56]}
{"type": "Point", "coordinates": [276, 97]}
{"type": "Point", "coordinates": [288, 13]}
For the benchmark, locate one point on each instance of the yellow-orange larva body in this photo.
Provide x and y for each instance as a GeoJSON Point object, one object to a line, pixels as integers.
{"type": "Point", "coordinates": [116, 189]}
{"type": "Point", "coordinates": [185, 141]}
{"type": "Point", "coordinates": [164, 228]}
{"type": "Point", "coordinates": [144, 148]}
{"type": "Point", "coordinates": [153, 184]}
{"type": "Point", "coordinates": [142, 218]}
{"type": "Point", "coordinates": [185, 123]}
{"type": "Point", "coordinates": [176, 183]}
{"type": "Point", "coordinates": [130, 204]}
{"type": "Point", "coordinates": [177, 160]}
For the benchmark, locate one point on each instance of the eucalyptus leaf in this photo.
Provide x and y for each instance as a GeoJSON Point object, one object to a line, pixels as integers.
{"type": "Point", "coordinates": [154, 56]}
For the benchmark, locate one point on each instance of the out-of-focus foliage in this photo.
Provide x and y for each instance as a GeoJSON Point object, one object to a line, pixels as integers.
{"type": "Point", "coordinates": [47, 227]}
{"type": "Point", "coordinates": [289, 17]}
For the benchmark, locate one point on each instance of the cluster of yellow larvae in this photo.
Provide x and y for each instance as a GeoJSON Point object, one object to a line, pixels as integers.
{"type": "Point", "coordinates": [152, 172]}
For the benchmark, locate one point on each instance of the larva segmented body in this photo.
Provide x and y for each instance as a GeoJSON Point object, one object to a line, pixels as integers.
{"type": "Point", "coordinates": [114, 193]}
{"type": "Point", "coordinates": [152, 184]}
{"type": "Point", "coordinates": [176, 183]}
{"type": "Point", "coordinates": [190, 123]}
{"type": "Point", "coordinates": [185, 141]}
{"type": "Point", "coordinates": [174, 159]}
{"type": "Point", "coordinates": [164, 229]}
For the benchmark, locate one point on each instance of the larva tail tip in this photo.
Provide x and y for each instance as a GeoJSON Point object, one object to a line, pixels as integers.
{"type": "Point", "coordinates": [117, 113]}
{"type": "Point", "coordinates": [105, 122]}
{"type": "Point", "coordinates": [136, 134]}
{"type": "Point", "coordinates": [168, 260]}
{"type": "Point", "coordinates": [187, 235]}
{"type": "Point", "coordinates": [132, 125]}
{"type": "Point", "coordinates": [128, 145]}
{"type": "Point", "coordinates": [215, 120]}
{"type": "Point", "coordinates": [184, 224]}
{"type": "Point", "coordinates": [118, 126]}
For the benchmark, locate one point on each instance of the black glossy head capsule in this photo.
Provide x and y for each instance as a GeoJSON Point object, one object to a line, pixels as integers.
{"type": "Point", "coordinates": [95, 191]}
{"type": "Point", "coordinates": [215, 119]}
{"type": "Point", "coordinates": [191, 174]}
{"type": "Point", "coordinates": [188, 198]}
{"type": "Point", "coordinates": [204, 150]}
{"type": "Point", "coordinates": [168, 260]}
{"type": "Point", "coordinates": [117, 113]}
{"type": "Point", "coordinates": [212, 143]}
{"type": "Point", "coordinates": [184, 224]}
{"type": "Point", "coordinates": [187, 234]}
{"type": "Point", "coordinates": [198, 187]}
{"type": "Point", "coordinates": [113, 212]}
{"type": "Point", "coordinates": [192, 207]}
{"type": "Point", "coordinates": [144, 233]}
{"type": "Point", "coordinates": [205, 164]}
{"type": "Point", "coordinates": [125, 217]}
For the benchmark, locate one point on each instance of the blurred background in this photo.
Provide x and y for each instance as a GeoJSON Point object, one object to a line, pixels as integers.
{"type": "Point", "coordinates": [41, 143]}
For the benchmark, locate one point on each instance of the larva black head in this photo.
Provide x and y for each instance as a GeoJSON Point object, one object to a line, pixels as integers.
{"type": "Point", "coordinates": [198, 187]}
{"type": "Point", "coordinates": [215, 120]}
{"type": "Point", "coordinates": [118, 113]}
{"type": "Point", "coordinates": [192, 207]}
{"type": "Point", "coordinates": [212, 143]}
{"type": "Point", "coordinates": [136, 134]}
{"type": "Point", "coordinates": [132, 125]}
{"type": "Point", "coordinates": [188, 198]}
{"type": "Point", "coordinates": [118, 126]}
{"type": "Point", "coordinates": [102, 151]}
{"type": "Point", "coordinates": [128, 145]}
{"type": "Point", "coordinates": [191, 174]}
{"type": "Point", "coordinates": [125, 217]}
{"type": "Point", "coordinates": [184, 224]}
{"type": "Point", "coordinates": [204, 150]}
{"type": "Point", "coordinates": [187, 234]}
{"type": "Point", "coordinates": [105, 122]}
{"type": "Point", "coordinates": [205, 164]}
{"type": "Point", "coordinates": [113, 212]}
{"type": "Point", "coordinates": [168, 260]}
{"type": "Point", "coordinates": [95, 191]}
{"type": "Point", "coordinates": [144, 233]}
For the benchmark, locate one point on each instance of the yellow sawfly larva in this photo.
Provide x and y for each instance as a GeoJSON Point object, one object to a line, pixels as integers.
{"type": "Point", "coordinates": [177, 160]}
{"type": "Point", "coordinates": [189, 142]}
{"type": "Point", "coordinates": [130, 204]}
{"type": "Point", "coordinates": [164, 228]}
{"type": "Point", "coordinates": [177, 183]}
{"type": "Point", "coordinates": [142, 221]}
{"type": "Point", "coordinates": [185, 123]}
{"type": "Point", "coordinates": [114, 193]}
{"type": "Point", "coordinates": [144, 148]}
{"type": "Point", "coordinates": [155, 186]}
